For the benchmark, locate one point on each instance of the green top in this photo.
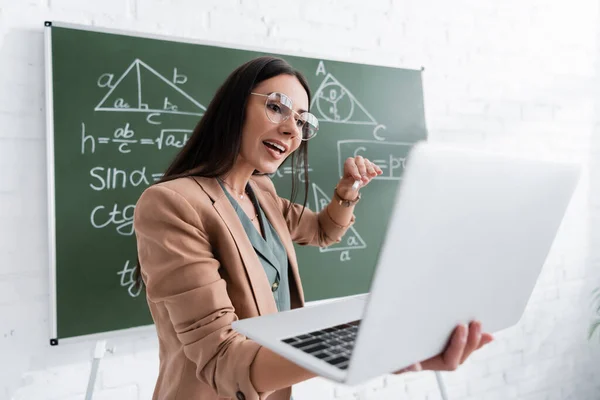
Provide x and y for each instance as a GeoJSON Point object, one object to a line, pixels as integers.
{"type": "Point", "coordinates": [269, 250]}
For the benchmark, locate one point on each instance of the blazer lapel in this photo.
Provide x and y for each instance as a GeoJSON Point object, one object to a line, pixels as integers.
{"type": "Point", "coordinates": [273, 212]}
{"type": "Point", "coordinates": [262, 245]}
{"type": "Point", "coordinates": [256, 273]}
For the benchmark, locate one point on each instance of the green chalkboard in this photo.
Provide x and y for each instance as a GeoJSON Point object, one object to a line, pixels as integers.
{"type": "Point", "coordinates": [121, 106]}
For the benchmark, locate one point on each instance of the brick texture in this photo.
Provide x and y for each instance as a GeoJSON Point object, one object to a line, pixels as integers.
{"type": "Point", "coordinates": [514, 74]}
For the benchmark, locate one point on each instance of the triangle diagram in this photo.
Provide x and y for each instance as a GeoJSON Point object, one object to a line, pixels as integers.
{"type": "Point", "coordinates": [334, 103]}
{"type": "Point", "coordinates": [351, 240]}
{"type": "Point", "coordinates": [142, 89]}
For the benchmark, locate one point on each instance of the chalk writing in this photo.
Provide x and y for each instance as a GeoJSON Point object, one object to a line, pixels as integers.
{"type": "Point", "coordinates": [350, 241]}
{"type": "Point", "coordinates": [391, 163]}
{"type": "Point", "coordinates": [127, 275]}
{"type": "Point", "coordinates": [100, 218]}
{"type": "Point", "coordinates": [345, 256]}
{"type": "Point", "coordinates": [285, 170]}
{"type": "Point", "coordinates": [169, 138]}
{"type": "Point", "coordinates": [333, 102]}
{"type": "Point", "coordinates": [111, 178]}
{"type": "Point", "coordinates": [123, 137]}
{"type": "Point", "coordinates": [173, 100]}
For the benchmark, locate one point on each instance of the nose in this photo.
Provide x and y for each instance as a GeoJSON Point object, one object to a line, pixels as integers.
{"type": "Point", "coordinates": [289, 127]}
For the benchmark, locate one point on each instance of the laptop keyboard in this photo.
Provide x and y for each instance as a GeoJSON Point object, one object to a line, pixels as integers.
{"type": "Point", "coordinates": [333, 345]}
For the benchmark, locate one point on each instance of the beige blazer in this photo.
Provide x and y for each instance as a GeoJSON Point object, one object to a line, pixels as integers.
{"type": "Point", "coordinates": [202, 273]}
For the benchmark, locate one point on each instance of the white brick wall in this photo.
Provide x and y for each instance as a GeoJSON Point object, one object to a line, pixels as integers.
{"type": "Point", "coordinates": [513, 73]}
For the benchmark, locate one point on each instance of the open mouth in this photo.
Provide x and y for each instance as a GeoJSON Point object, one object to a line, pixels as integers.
{"type": "Point", "coordinates": [274, 146]}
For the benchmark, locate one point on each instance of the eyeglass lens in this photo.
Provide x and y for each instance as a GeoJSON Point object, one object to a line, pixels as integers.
{"type": "Point", "coordinates": [279, 108]}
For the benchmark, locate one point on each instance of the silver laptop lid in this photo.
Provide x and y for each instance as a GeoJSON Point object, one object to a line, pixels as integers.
{"type": "Point", "coordinates": [467, 239]}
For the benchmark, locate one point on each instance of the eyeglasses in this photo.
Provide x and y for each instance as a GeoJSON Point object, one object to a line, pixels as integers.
{"type": "Point", "coordinates": [279, 108]}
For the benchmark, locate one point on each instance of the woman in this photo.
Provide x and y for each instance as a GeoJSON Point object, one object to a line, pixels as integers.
{"type": "Point", "coordinates": [215, 240]}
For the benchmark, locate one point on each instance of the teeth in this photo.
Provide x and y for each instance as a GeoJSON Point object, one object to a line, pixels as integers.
{"type": "Point", "coordinates": [278, 146]}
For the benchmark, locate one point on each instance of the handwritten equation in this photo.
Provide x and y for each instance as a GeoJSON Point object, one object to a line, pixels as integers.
{"type": "Point", "coordinates": [142, 90]}
{"type": "Point", "coordinates": [112, 178]}
{"type": "Point", "coordinates": [123, 138]}
{"type": "Point", "coordinates": [389, 156]}
{"type": "Point", "coordinates": [283, 171]}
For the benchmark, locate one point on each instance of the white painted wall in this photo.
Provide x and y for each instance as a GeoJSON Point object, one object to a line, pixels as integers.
{"type": "Point", "coordinates": [519, 73]}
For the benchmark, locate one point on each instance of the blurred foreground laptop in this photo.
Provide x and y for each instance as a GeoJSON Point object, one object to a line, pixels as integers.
{"type": "Point", "coordinates": [468, 235]}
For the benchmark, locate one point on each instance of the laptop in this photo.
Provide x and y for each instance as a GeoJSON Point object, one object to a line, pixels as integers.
{"type": "Point", "coordinates": [466, 240]}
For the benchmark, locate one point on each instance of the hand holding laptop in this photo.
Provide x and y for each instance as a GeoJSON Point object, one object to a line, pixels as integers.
{"type": "Point", "coordinates": [463, 342]}
{"type": "Point", "coordinates": [460, 216]}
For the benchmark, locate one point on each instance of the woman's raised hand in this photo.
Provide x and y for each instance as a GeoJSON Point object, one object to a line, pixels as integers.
{"type": "Point", "coordinates": [356, 169]}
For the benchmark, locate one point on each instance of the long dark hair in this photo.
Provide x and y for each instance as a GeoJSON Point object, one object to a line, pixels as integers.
{"type": "Point", "coordinates": [215, 143]}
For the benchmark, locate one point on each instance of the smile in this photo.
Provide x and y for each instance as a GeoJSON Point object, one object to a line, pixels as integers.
{"type": "Point", "coordinates": [275, 146]}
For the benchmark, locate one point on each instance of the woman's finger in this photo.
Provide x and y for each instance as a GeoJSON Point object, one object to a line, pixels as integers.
{"type": "Point", "coordinates": [449, 359]}
{"type": "Point", "coordinates": [351, 169]}
{"type": "Point", "coordinates": [362, 168]}
{"type": "Point", "coordinates": [411, 368]}
{"type": "Point", "coordinates": [454, 352]}
{"type": "Point", "coordinates": [473, 340]}
{"type": "Point", "coordinates": [485, 339]}
{"type": "Point", "coordinates": [376, 169]}
{"type": "Point", "coordinates": [370, 168]}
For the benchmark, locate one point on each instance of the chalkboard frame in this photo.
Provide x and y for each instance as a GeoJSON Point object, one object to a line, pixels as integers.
{"type": "Point", "coordinates": [50, 156]}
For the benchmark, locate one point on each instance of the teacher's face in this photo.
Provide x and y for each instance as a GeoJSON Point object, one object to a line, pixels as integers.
{"type": "Point", "coordinates": [266, 143]}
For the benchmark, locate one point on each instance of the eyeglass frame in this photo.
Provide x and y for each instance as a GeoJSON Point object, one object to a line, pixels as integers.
{"type": "Point", "coordinates": [291, 109]}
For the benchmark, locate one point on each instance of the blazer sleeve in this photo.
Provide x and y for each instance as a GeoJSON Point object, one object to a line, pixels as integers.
{"type": "Point", "coordinates": [180, 271]}
{"type": "Point", "coordinates": [306, 226]}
